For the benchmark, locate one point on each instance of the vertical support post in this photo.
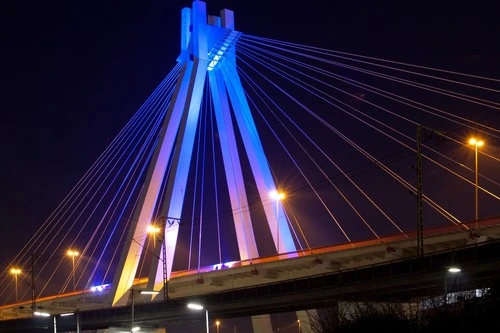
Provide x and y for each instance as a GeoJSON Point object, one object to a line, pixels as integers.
{"type": "Point", "coordinates": [73, 271]}
{"type": "Point", "coordinates": [17, 297]}
{"type": "Point", "coordinates": [420, 212]}
{"type": "Point", "coordinates": [164, 260]}
{"type": "Point", "coordinates": [33, 296]}
{"type": "Point", "coordinates": [446, 287]}
{"type": "Point", "coordinates": [278, 226]}
{"type": "Point", "coordinates": [77, 321]}
{"type": "Point", "coordinates": [477, 143]}
{"type": "Point", "coordinates": [132, 305]}
{"type": "Point", "coordinates": [477, 184]}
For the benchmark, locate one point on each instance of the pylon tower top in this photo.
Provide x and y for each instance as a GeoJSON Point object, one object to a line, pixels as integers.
{"type": "Point", "coordinates": [209, 38]}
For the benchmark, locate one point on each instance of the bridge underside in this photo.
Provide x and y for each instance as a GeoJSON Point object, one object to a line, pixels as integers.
{"type": "Point", "coordinates": [405, 280]}
{"type": "Point", "coordinates": [382, 270]}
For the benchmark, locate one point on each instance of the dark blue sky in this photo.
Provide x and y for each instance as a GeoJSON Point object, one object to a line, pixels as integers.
{"type": "Point", "coordinates": [73, 73]}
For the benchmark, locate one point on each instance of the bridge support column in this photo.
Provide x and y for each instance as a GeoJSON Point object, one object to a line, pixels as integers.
{"type": "Point", "coordinates": [262, 324]}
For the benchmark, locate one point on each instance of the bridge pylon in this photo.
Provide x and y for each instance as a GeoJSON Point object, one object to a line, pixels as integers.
{"type": "Point", "coordinates": [208, 50]}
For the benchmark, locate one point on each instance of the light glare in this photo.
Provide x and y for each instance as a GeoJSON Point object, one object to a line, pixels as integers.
{"type": "Point", "coordinates": [277, 195]}
{"type": "Point", "coordinates": [99, 288]}
{"type": "Point", "coordinates": [476, 142]}
{"type": "Point", "coordinates": [72, 253]}
{"type": "Point", "coordinates": [195, 306]}
{"type": "Point", "coordinates": [42, 314]}
{"type": "Point", "coordinates": [152, 229]}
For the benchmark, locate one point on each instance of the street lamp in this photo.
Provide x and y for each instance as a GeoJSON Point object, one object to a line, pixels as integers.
{"type": "Point", "coordinates": [476, 143]}
{"type": "Point", "coordinates": [298, 323]}
{"type": "Point", "coordinates": [452, 270]}
{"type": "Point", "coordinates": [153, 229]}
{"type": "Point", "coordinates": [73, 254]}
{"type": "Point", "coordinates": [278, 196]}
{"type": "Point", "coordinates": [132, 306]}
{"type": "Point", "coordinates": [217, 324]}
{"type": "Point", "coordinates": [16, 272]}
{"type": "Point", "coordinates": [47, 315]}
{"type": "Point", "coordinates": [198, 307]}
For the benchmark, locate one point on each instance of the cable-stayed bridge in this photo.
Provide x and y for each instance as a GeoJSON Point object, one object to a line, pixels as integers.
{"type": "Point", "coordinates": [361, 148]}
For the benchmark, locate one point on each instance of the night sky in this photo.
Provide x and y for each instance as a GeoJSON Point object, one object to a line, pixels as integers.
{"type": "Point", "coordinates": [73, 73]}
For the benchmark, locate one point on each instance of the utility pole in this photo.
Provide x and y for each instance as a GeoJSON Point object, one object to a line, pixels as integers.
{"type": "Point", "coordinates": [420, 210]}
{"type": "Point", "coordinates": [164, 261]}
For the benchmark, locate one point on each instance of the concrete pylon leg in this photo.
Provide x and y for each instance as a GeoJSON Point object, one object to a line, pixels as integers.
{"type": "Point", "coordinates": [262, 324]}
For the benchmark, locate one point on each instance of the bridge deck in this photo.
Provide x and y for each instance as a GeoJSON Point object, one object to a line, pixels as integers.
{"type": "Point", "coordinates": [262, 271]}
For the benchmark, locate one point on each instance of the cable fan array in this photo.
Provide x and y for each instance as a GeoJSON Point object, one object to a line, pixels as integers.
{"type": "Point", "coordinates": [341, 134]}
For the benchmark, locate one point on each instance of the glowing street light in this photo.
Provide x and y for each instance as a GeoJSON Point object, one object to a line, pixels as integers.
{"type": "Point", "coordinates": [298, 323]}
{"type": "Point", "coordinates": [452, 270]}
{"type": "Point", "coordinates": [153, 229]}
{"type": "Point", "coordinates": [217, 324]}
{"type": "Point", "coordinates": [41, 314]}
{"type": "Point", "coordinates": [278, 196]}
{"type": "Point", "coordinates": [73, 254]}
{"type": "Point", "coordinates": [16, 272]}
{"type": "Point", "coordinates": [476, 143]}
{"type": "Point", "coordinates": [134, 328]}
{"type": "Point", "coordinates": [198, 307]}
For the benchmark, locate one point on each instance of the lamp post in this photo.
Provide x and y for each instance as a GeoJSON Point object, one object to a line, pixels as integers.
{"type": "Point", "coordinates": [298, 323]}
{"type": "Point", "coordinates": [132, 305]}
{"type": "Point", "coordinates": [198, 307]}
{"type": "Point", "coordinates": [73, 254]}
{"type": "Point", "coordinates": [452, 270]}
{"type": "Point", "coordinates": [278, 196]}
{"type": "Point", "coordinates": [47, 315]}
{"type": "Point", "coordinates": [16, 272]}
{"type": "Point", "coordinates": [476, 143]}
{"type": "Point", "coordinates": [217, 324]}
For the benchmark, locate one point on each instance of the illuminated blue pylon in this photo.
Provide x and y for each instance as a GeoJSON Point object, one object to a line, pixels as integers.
{"type": "Point", "coordinates": [207, 50]}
